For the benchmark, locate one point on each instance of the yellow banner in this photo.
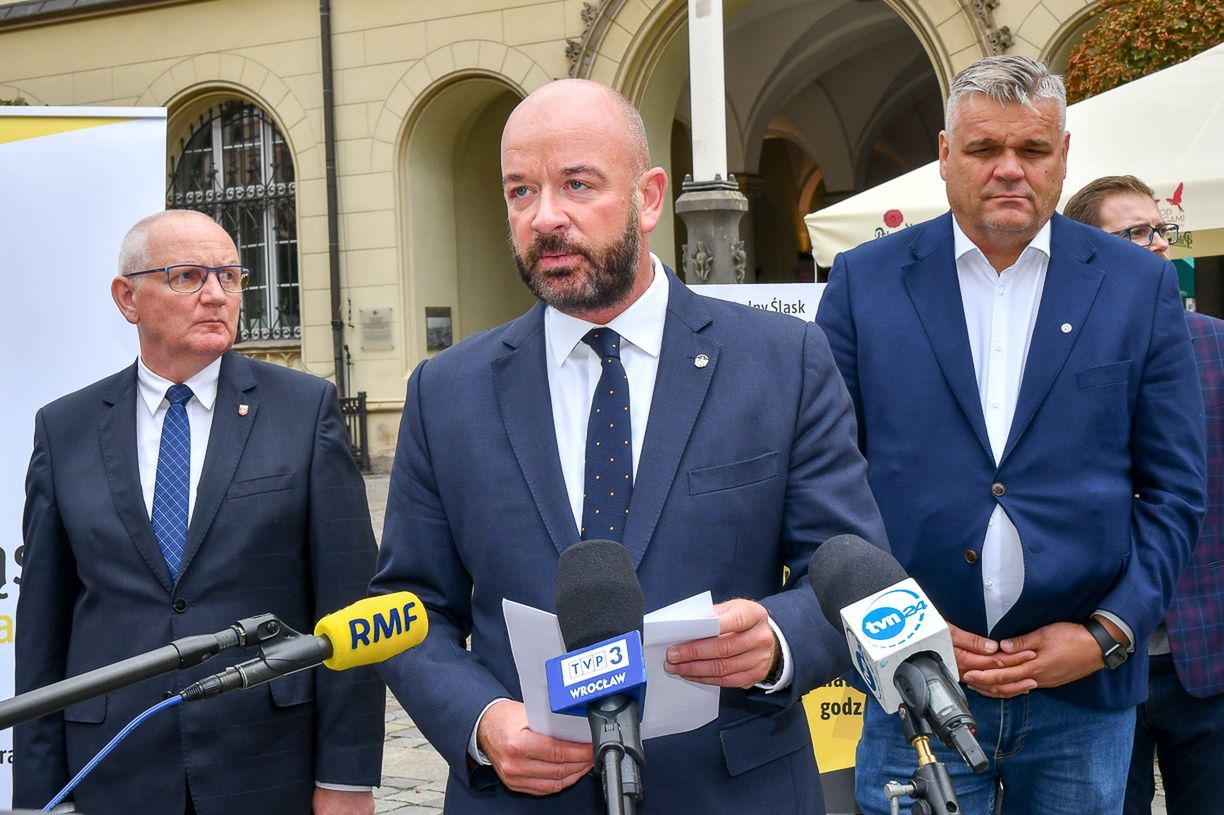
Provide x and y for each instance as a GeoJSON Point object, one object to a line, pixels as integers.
{"type": "Point", "coordinates": [19, 128]}
{"type": "Point", "coordinates": [835, 716]}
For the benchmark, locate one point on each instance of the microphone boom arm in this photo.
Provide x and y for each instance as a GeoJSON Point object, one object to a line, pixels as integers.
{"type": "Point", "coordinates": [186, 652]}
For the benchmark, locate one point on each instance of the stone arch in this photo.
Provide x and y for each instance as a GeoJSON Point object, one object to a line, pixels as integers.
{"type": "Point", "coordinates": [451, 216]}
{"type": "Point", "coordinates": [437, 70]}
{"type": "Point", "coordinates": [1070, 31]}
{"type": "Point", "coordinates": [192, 84]}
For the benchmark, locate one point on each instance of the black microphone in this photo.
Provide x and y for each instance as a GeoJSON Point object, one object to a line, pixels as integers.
{"type": "Point", "coordinates": [598, 598]}
{"type": "Point", "coordinates": [901, 645]}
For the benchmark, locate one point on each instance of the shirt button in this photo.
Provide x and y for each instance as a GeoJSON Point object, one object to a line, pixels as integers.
{"type": "Point", "coordinates": [971, 556]}
{"type": "Point", "coordinates": [997, 489]}
{"type": "Point", "coordinates": [179, 605]}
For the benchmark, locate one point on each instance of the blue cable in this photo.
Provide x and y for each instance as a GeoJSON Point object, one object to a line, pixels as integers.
{"type": "Point", "coordinates": [110, 745]}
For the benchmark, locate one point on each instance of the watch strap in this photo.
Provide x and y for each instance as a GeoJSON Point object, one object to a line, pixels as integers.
{"type": "Point", "coordinates": [1112, 652]}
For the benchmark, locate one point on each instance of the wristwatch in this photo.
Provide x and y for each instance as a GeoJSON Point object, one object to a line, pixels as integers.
{"type": "Point", "coordinates": [1113, 651]}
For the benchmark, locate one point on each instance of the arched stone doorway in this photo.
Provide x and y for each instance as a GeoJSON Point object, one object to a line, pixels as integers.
{"type": "Point", "coordinates": [824, 99]}
{"type": "Point", "coordinates": [455, 218]}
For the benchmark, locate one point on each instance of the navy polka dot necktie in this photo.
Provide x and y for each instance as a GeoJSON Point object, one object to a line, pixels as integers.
{"type": "Point", "coordinates": [609, 451]}
{"type": "Point", "coordinates": [172, 484]}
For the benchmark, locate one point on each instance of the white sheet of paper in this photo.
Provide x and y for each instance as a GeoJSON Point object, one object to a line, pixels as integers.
{"type": "Point", "coordinates": [673, 704]}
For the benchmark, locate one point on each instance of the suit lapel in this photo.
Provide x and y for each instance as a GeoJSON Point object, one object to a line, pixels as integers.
{"type": "Point", "coordinates": [226, 441]}
{"type": "Point", "coordinates": [680, 390]}
{"type": "Point", "coordinates": [935, 293]}
{"type": "Point", "coordinates": [117, 436]}
{"type": "Point", "coordinates": [520, 380]}
{"type": "Point", "coordinates": [1071, 287]}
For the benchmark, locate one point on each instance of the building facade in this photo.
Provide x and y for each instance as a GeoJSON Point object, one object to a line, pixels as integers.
{"type": "Point", "coordinates": [824, 99]}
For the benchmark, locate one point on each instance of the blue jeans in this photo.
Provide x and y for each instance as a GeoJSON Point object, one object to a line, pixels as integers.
{"type": "Point", "coordinates": [1187, 734]}
{"type": "Point", "coordinates": [1047, 757]}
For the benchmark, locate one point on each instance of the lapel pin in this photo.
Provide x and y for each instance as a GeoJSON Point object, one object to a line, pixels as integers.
{"type": "Point", "coordinates": [1066, 328]}
{"type": "Point", "coordinates": [243, 410]}
{"type": "Point", "coordinates": [701, 360]}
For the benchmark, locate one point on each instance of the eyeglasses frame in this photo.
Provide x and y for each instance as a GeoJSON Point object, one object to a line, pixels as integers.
{"type": "Point", "coordinates": [1161, 228]}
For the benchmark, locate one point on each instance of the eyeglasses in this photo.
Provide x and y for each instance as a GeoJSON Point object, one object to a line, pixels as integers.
{"type": "Point", "coordinates": [1142, 234]}
{"type": "Point", "coordinates": [189, 278]}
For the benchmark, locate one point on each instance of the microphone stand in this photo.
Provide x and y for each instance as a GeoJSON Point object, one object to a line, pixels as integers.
{"type": "Point", "coordinates": [618, 750]}
{"type": "Point", "coordinates": [930, 786]}
{"type": "Point", "coordinates": [186, 652]}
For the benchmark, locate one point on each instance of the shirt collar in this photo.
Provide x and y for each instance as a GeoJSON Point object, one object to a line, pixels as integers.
{"type": "Point", "coordinates": [153, 387]}
{"type": "Point", "coordinates": [641, 325]}
{"type": "Point", "coordinates": [962, 245]}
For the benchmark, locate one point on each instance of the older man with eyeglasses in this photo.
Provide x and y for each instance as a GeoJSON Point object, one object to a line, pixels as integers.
{"type": "Point", "coordinates": [1182, 721]}
{"type": "Point", "coordinates": [193, 489]}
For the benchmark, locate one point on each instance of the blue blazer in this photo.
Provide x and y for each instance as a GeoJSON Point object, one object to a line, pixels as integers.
{"type": "Point", "coordinates": [1103, 471]}
{"type": "Point", "coordinates": [280, 525]}
{"type": "Point", "coordinates": [748, 464]}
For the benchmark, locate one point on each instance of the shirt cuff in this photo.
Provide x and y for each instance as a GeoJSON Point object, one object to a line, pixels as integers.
{"type": "Point", "coordinates": [342, 787]}
{"type": "Point", "coordinates": [788, 668]}
{"type": "Point", "coordinates": [65, 806]}
{"type": "Point", "coordinates": [473, 749]}
{"type": "Point", "coordinates": [1120, 623]}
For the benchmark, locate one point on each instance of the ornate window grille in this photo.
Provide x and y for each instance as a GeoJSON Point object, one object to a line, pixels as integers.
{"type": "Point", "coordinates": [236, 166]}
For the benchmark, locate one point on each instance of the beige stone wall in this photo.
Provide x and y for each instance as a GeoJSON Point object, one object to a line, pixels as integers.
{"type": "Point", "coordinates": [391, 57]}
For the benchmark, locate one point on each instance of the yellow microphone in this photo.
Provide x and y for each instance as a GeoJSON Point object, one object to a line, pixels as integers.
{"type": "Point", "coordinates": [373, 629]}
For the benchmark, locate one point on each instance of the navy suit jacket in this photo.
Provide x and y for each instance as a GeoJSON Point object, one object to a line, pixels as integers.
{"type": "Point", "coordinates": [280, 525]}
{"type": "Point", "coordinates": [1102, 473]}
{"type": "Point", "coordinates": [748, 464]}
{"type": "Point", "coordinates": [1196, 618]}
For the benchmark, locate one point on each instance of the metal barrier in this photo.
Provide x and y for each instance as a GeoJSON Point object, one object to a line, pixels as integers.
{"type": "Point", "coordinates": [355, 417]}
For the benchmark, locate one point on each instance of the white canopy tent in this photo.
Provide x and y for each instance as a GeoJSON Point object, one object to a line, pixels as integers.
{"type": "Point", "coordinates": [1167, 128]}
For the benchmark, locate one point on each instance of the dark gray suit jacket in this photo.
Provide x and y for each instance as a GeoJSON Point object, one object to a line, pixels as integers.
{"type": "Point", "coordinates": [280, 525]}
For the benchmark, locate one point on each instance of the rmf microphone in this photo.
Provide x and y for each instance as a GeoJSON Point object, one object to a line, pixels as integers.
{"type": "Point", "coordinates": [900, 644]}
{"type": "Point", "coordinates": [371, 630]}
{"type": "Point", "coordinates": [599, 610]}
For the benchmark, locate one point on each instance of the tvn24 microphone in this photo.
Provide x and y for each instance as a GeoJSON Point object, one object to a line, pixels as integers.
{"type": "Point", "coordinates": [900, 644]}
{"type": "Point", "coordinates": [603, 675]}
{"type": "Point", "coordinates": [371, 630]}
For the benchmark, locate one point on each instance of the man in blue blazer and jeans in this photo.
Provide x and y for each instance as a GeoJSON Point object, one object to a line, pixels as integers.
{"type": "Point", "coordinates": [738, 455]}
{"type": "Point", "coordinates": [1031, 416]}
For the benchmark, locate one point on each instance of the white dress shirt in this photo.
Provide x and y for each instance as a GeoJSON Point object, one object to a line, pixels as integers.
{"type": "Point", "coordinates": [573, 373]}
{"type": "Point", "coordinates": [149, 423]}
{"type": "Point", "coordinates": [1000, 313]}
{"type": "Point", "coordinates": [574, 370]}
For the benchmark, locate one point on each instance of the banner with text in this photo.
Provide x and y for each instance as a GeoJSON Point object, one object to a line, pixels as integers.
{"type": "Point", "coordinates": [75, 179]}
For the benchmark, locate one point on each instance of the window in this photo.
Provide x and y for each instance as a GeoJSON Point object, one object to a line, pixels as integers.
{"type": "Point", "coordinates": [236, 167]}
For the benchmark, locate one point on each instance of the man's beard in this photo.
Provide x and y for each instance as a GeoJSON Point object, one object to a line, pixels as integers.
{"type": "Point", "coordinates": [604, 284]}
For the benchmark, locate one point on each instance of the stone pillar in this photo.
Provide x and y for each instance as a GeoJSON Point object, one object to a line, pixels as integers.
{"type": "Point", "coordinates": [711, 205]}
{"type": "Point", "coordinates": [711, 211]}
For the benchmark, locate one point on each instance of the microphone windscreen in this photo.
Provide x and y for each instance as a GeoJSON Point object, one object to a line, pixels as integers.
{"type": "Point", "coordinates": [845, 569]}
{"type": "Point", "coordinates": [598, 593]}
{"type": "Point", "coordinates": [373, 629]}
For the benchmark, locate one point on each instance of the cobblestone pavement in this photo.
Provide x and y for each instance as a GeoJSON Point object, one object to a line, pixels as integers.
{"type": "Point", "coordinates": [414, 775]}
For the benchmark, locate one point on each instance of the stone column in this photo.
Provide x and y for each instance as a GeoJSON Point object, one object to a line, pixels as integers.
{"type": "Point", "coordinates": [711, 204]}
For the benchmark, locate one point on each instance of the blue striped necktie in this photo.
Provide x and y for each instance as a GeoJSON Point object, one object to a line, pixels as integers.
{"type": "Point", "coordinates": [171, 489]}
{"type": "Point", "coordinates": [608, 481]}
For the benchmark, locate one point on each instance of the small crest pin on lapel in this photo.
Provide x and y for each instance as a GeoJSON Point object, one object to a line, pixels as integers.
{"type": "Point", "coordinates": [701, 360]}
{"type": "Point", "coordinates": [243, 410]}
{"type": "Point", "coordinates": [1065, 328]}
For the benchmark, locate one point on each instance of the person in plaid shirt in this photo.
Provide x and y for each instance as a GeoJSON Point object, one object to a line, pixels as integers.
{"type": "Point", "coordinates": [1182, 721]}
